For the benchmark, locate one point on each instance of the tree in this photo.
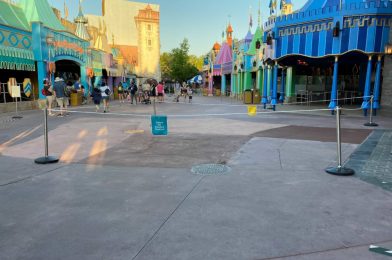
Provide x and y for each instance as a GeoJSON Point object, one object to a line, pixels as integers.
{"type": "Point", "coordinates": [176, 65]}
{"type": "Point", "coordinates": [197, 61]}
{"type": "Point", "coordinates": [165, 61]}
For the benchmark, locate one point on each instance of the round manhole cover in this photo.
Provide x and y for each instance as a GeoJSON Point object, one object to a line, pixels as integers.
{"type": "Point", "coordinates": [210, 169]}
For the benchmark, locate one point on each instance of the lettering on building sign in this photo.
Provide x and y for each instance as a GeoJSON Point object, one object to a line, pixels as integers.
{"type": "Point", "coordinates": [68, 45]}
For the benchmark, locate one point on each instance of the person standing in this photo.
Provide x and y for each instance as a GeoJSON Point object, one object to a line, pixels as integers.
{"type": "Point", "coordinates": [59, 89]}
{"type": "Point", "coordinates": [190, 92]}
{"type": "Point", "coordinates": [140, 94]}
{"type": "Point", "coordinates": [48, 89]}
{"type": "Point", "coordinates": [120, 93]}
{"type": "Point", "coordinates": [105, 93]}
{"type": "Point", "coordinates": [160, 92]}
{"type": "Point", "coordinates": [133, 91]}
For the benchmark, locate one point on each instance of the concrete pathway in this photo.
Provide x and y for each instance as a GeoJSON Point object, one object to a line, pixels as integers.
{"type": "Point", "coordinates": [136, 198]}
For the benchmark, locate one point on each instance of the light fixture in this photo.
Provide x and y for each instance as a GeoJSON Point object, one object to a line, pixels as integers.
{"type": "Point", "coordinates": [388, 49]}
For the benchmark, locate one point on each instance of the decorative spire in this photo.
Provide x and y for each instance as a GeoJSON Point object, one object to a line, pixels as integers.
{"type": "Point", "coordinates": [259, 14]}
{"type": "Point", "coordinates": [250, 17]}
{"type": "Point", "coordinates": [81, 21]}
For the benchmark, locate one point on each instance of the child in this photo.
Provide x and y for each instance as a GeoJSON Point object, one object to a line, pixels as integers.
{"type": "Point", "coordinates": [190, 92]}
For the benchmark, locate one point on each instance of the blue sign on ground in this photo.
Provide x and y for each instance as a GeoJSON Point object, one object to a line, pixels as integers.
{"type": "Point", "coordinates": [159, 125]}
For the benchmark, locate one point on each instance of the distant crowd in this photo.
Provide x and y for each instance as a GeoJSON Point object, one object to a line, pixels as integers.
{"type": "Point", "coordinates": [59, 93]}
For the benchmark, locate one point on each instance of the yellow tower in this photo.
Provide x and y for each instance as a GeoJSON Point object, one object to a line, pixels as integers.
{"type": "Point", "coordinates": [287, 7]}
{"type": "Point", "coordinates": [148, 28]}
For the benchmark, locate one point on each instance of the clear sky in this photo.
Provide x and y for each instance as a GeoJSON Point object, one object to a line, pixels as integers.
{"type": "Point", "coordinates": [201, 21]}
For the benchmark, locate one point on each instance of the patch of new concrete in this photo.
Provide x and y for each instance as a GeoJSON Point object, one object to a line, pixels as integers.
{"type": "Point", "coordinates": [173, 151]}
{"type": "Point", "coordinates": [287, 154]}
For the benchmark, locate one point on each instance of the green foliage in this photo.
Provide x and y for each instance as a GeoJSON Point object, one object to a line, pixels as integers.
{"type": "Point", "coordinates": [178, 65]}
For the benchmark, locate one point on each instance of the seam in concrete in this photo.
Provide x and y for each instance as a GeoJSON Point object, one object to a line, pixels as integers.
{"type": "Point", "coordinates": [30, 177]}
{"type": "Point", "coordinates": [167, 219]}
{"type": "Point", "coordinates": [325, 251]}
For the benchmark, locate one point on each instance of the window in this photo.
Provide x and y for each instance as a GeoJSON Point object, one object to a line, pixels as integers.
{"type": "Point", "coordinates": [149, 43]}
{"type": "Point", "coordinates": [149, 28]}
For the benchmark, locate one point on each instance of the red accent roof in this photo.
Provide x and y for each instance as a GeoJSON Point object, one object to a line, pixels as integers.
{"type": "Point", "coordinates": [130, 53]}
{"type": "Point", "coordinates": [216, 47]}
{"type": "Point", "coordinates": [229, 29]}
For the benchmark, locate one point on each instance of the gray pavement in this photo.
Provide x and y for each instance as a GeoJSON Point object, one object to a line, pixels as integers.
{"type": "Point", "coordinates": [120, 193]}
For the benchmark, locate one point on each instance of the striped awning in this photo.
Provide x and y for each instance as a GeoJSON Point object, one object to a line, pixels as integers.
{"type": "Point", "coordinates": [16, 59]}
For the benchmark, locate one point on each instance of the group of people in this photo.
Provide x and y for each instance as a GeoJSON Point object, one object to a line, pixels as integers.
{"type": "Point", "coordinates": [141, 94]}
{"type": "Point", "coordinates": [183, 90]}
{"type": "Point", "coordinates": [60, 92]}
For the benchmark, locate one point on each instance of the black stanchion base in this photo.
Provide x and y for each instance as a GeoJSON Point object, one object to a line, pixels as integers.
{"type": "Point", "coordinates": [371, 124]}
{"type": "Point", "coordinates": [340, 171]}
{"type": "Point", "coordinates": [17, 117]}
{"type": "Point", "coordinates": [46, 160]}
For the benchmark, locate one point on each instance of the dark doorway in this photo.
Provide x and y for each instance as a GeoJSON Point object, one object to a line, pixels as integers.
{"type": "Point", "coordinates": [68, 70]}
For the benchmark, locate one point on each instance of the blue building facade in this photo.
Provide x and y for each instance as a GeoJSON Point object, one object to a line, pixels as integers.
{"type": "Point", "coordinates": [330, 51]}
{"type": "Point", "coordinates": [339, 39]}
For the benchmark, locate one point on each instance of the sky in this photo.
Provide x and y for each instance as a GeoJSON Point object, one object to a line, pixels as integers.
{"type": "Point", "coordinates": [200, 21]}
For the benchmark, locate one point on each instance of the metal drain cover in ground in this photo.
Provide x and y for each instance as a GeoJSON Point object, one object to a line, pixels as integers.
{"type": "Point", "coordinates": [210, 169]}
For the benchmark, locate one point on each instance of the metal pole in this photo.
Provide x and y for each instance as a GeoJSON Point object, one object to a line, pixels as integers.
{"type": "Point", "coordinates": [339, 137]}
{"type": "Point", "coordinates": [339, 170]}
{"type": "Point", "coordinates": [155, 109]}
{"type": "Point", "coordinates": [371, 110]}
{"type": "Point", "coordinates": [46, 132]}
{"type": "Point", "coordinates": [46, 159]}
{"type": "Point", "coordinates": [5, 100]}
{"type": "Point", "coordinates": [16, 110]}
{"type": "Point", "coordinates": [371, 123]}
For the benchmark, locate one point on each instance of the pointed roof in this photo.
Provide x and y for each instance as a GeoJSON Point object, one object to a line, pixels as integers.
{"type": "Point", "coordinates": [257, 37]}
{"type": "Point", "coordinates": [248, 37]}
{"type": "Point", "coordinates": [81, 21]}
{"type": "Point", "coordinates": [216, 47]}
{"type": "Point", "coordinates": [225, 55]}
{"type": "Point", "coordinates": [229, 28]}
{"type": "Point", "coordinates": [40, 11]}
{"type": "Point", "coordinates": [13, 16]}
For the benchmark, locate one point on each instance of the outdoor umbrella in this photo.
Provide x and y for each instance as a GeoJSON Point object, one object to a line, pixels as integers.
{"type": "Point", "coordinates": [152, 82]}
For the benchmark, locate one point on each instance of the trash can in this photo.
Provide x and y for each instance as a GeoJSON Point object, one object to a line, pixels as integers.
{"type": "Point", "coordinates": [256, 97]}
{"type": "Point", "coordinates": [115, 93]}
{"type": "Point", "coordinates": [248, 96]}
{"type": "Point", "coordinates": [76, 99]}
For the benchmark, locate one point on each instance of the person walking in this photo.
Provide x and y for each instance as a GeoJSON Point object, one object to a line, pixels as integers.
{"type": "Point", "coordinates": [121, 93]}
{"type": "Point", "coordinates": [48, 90]}
{"type": "Point", "coordinates": [189, 92]}
{"type": "Point", "coordinates": [97, 97]}
{"type": "Point", "coordinates": [133, 91]}
{"type": "Point", "coordinates": [160, 92]}
{"type": "Point", "coordinates": [105, 93]}
{"type": "Point", "coordinates": [184, 91]}
{"type": "Point", "coordinates": [59, 89]}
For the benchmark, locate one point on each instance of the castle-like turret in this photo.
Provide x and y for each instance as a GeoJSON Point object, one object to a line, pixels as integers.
{"type": "Point", "coordinates": [81, 22]}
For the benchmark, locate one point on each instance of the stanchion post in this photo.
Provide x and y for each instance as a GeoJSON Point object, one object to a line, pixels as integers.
{"type": "Point", "coordinates": [17, 116]}
{"type": "Point", "coordinates": [46, 159]}
{"type": "Point", "coordinates": [371, 123]}
{"type": "Point", "coordinates": [155, 109]}
{"type": "Point", "coordinates": [339, 170]}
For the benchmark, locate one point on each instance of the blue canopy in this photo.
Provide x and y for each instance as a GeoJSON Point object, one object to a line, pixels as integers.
{"type": "Point", "coordinates": [197, 79]}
